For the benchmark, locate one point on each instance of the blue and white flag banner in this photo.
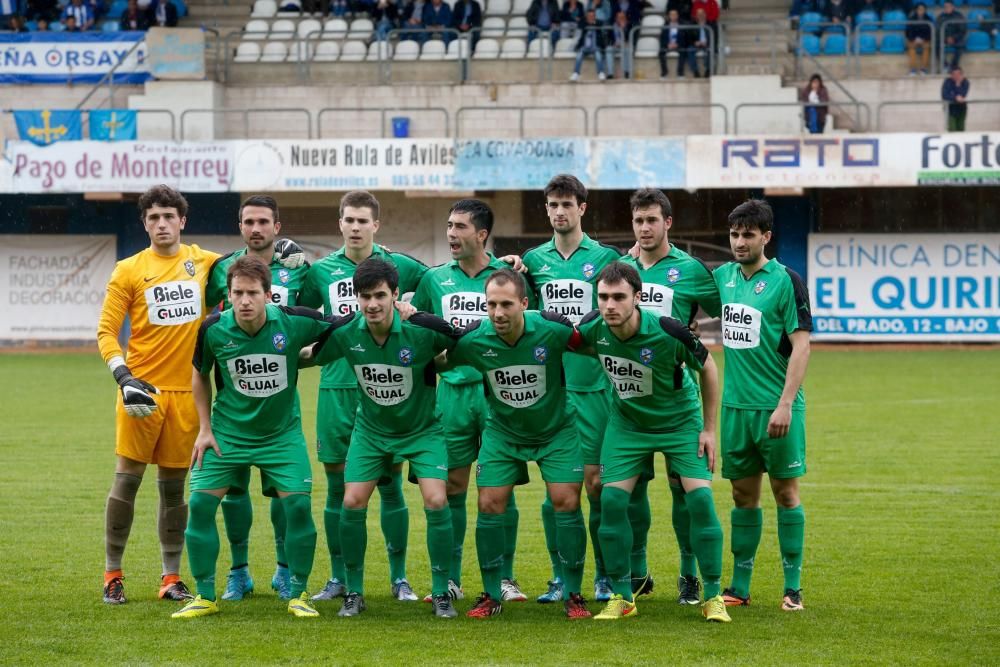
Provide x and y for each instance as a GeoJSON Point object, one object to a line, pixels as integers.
{"type": "Point", "coordinates": [112, 124]}
{"type": "Point", "coordinates": [48, 126]}
{"type": "Point", "coordinates": [79, 57]}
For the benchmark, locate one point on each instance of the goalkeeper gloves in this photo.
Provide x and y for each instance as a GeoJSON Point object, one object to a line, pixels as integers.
{"type": "Point", "coordinates": [288, 253]}
{"type": "Point", "coordinates": [136, 393]}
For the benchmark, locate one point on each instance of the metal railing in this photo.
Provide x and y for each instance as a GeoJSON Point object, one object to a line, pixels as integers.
{"type": "Point", "coordinates": [520, 112]}
{"type": "Point", "coordinates": [382, 116]}
{"type": "Point", "coordinates": [246, 113]}
{"type": "Point", "coordinates": [836, 29]}
{"type": "Point", "coordinates": [397, 35]}
{"type": "Point", "coordinates": [852, 100]}
{"type": "Point", "coordinates": [776, 31]}
{"type": "Point", "coordinates": [941, 36]}
{"type": "Point", "coordinates": [109, 78]}
{"type": "Point", "coordinates": [139, 112]}
{"type": "Point", "coordinates": [680, 105]}
{"type": "Point", "coordinates": [802, 105]}
{"type": "Point", "coordinates": [906, 103]}
{"type": "Point", "coordinates": [862, 28]}
{"type": "Point", "coordinates": [709, 51]}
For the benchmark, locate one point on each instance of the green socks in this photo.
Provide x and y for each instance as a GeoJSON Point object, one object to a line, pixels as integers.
{"type": "Point", "coordinates": [395, 518]}
{"type": "Point", "coordinates": [459, 521]}
{"type": "Point", "coordinates": [616, 539]}
{"type": "Point", "coordinates": [490, 538]}
{"type": "Point", "coordinates": [354, 542]}
{"type": "Point", "coordinates": [279, 525]}
{"type": "Point", "coordinates": [791, 535]}
{"type": "Point", "coordinates": [746, 528]}
{"type": "Point", "coordinates": [439, 547]}
{"type": "Point", "coordinates": [549, 526]}
{"type": "Point", "coordinates": [511, 519]}
{"type": "Point", "coordinates": [331, 523]}
{"type": "Point", "coordinates": [237, 515]}
{"type": "Point", "coordinates": [682, 529]}
{"type": "Point", "coordinates": [300, 539]}
{"type": "Point", "coordinates": [641, 518]}
{"type": "Point", "coordinates": [594, 523]}
{"type": "Point", "coordinates": [571, 539]}
{"type": "Point", "coordinates": [706, 538]}
{"type": "Point", "coordinates": [202, 540]}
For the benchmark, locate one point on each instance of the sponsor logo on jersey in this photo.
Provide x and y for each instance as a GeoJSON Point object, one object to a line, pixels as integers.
{"type": "Point", "coordinates": [279, 295]}
{"type": "Point", "coordinates": [406, 356]}
{"type": "Point", "coordinates": [759, 287]}
{"type": "Point", "coordinates": [230, 345]}
{"type": "Point", "coordinates": [631, 380]}
{"type": "Point", "coordinates": [258, 375]}
{"type": "Point", "coordinates": [385, 384]}
{"type": "Point", "coordinates": [646, 355]}
{"type": "Point", "coordinates": [740, 326]}
{"type": "Point", "coordinates": [571, 298]}
{"type": "Point", "coordinates": [173, 303]}
{"type": "Point", "coordinates": [489, 353]}
{"type": "Point", "coordinates": [544, 268]}
{"type": "Point", "coordinates": [448, 283]}
{"type": "Point", "coordinates": [795, 464]}
{"type": "Point", "coordinates": [189, 267]}
{"type": "Point", "coordinates": [731, 283]}
{"type": "Point", "coordinates": [479, 470]}
{"type": "Point", "coordinates": [342, 299]}
{"type": "Point", "coordinates": [589, 270]}
{"type": "Point", "coordinates": [673, 275]}
{"type": "Point", "coordinates": [337, 272]}
{"type": "Point", "coordinates": [357, 348]}
{"type": "Point", "coordinates": [461, 308]}
{"type": "Point", "coordinates": [603, 341]}
{"type": "Point", "coordinates": [658, 298]}
{"type": "Point", "coordinates": [518, 386]}
{"type": "Point", "coordinates": [283, 275]}
{"type": "Point", "coordinates": [280, 341]}
{"type": "Point", "coordinates": [541, 353]}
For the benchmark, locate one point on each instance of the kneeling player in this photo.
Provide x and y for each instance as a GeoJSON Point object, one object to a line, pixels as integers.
{"type": "Point", "coordinates": [254, 421]}
{"type": "Point", "coordinates": [655, 409]}
{"type": "Point", "coordinates": [393, 361]}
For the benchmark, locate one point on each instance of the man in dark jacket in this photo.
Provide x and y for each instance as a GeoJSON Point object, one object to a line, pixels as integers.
{"type": "Point", "coordinates": [593, 40]}
{"type": "Point", "coordinates": [676, 40]}
{"type": "Point", "coordinates": [162, 13]}
{"type": "Point", "coordinates": [467, 15]}
{"type": "Point", "coordinates": [952, 33]}
{"type": "Point", "coordinates": [543, 16]}
{"type": "Point", "coordinates": [954, 91]}
{"type": "Point", "coordinates": [918, 38]}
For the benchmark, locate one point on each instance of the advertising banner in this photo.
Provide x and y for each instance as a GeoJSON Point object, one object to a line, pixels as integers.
{"type": "Point", "coordinates": [905, 287]}
{"type": "Point", "coordinates": [79, 57]}
{"type": "Point", "coordinates": [52, 287]}
{"type": "Point", "coordinates": [176, 53]}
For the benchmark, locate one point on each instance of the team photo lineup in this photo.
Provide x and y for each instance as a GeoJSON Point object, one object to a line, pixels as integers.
{"type": "Point", "coordinates": [576, 357]}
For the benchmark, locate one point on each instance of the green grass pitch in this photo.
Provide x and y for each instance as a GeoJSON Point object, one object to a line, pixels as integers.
{"type": "Point", "coordinates": [902, 543]}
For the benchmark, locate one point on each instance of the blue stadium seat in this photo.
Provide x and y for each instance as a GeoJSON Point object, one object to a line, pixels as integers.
{"type": "Point", "coordinates": [182, 8]}
{"type": "Point", "coordinates": [109, 26]}
{"type": "Point", "coordinates": [32, 26]}
{"type": "Point", "coordinates": [892, 43]}
{"type": "Point", "coordinates": [56, 26]}
{"type": "Point", "coordinates": [810, 44]}
{"type": "Point", "coordinates": [894, 15]}
{"type": "Point", "coordinates": [867, 44]}
{"type": "Point", "coordinates": [864, 18]}
{"type": "Point", "coordinates": [808, 21]}
{"type": "Point", "coordinates": [117, 8]}
{"type": "Point", "coordinates": [977, 40]}
{"type": "Point", "coordinates": [997, 45]}
{"type": "Point", "coordinates": [975, 16]}
{"type": "Point", "coordinates": [834, 45]}
{"type": "Point", "coordinates": [979, 3]}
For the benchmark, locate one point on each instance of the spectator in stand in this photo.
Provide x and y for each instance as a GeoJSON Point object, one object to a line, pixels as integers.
{"type": "Point", "coordinates": [42, 9]}
{"type": "Point", "coordinates": [800, 7]}
{"type": "Point", "coordinates": [385, 16]}
{"type": "Point", "coordinates": [593, 40]}
{"type": "Point", "coordinates": [683, 8]}
{"type": "Point", "coordinates": [816, 97]}
{"type": "Point", "coordinates": [467, 15]}
{"type": "Point", "coordinates": [543, 16]}
{"type": "Point", "coordinates": [571, 17]}
{"type": "Point", "coordinates": [838, 11]}
{"type": "Point", "coordinates": [16, 24]}
{"type": "Point", "coordinates": [42, 25]}
{"type": "Point", "coordinates": [82, 15]}
{"type": "Point", "coordinates": [163, 14]}
{"type": "Point", "coordinates": [952, 35]}
{"type": "Point", "coordinates": [673, 39]}
{"type": "Point", "coordinates": [632, 10]}
{"type": "Point", "coordinates": [133, 18]}
{"type": "Point", "coordinates": [702, 44]}
{"type": "Point", "coordinates": [620, 48]}
{"type": "Point", "coordinates": [437, 16]}
{"type": "Point", "coordinates": [339, 7]}
{"type": "Point", "coordinates": [70, 24]}
{"type": "Point", "coordinates": [602, 10]}
{"type": "Point", "coordinates": [711, 9]}
{"type": "Point", "coordinates": [918, 40]}
{"type": "Point", "coordinates": [413, 18]}
{"type": "Point", "coordinates": [954, 91]}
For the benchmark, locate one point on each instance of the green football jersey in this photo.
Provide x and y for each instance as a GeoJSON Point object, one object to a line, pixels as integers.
{"type": "Point", "coordinates": [652, 389]}
{"type": "Point", "coordinates": [256, 375]}
{"type": "Point", "coordinates": [758, 313]}
{"type": "Point", "coordinates": [458, 298]}
{"type": "Point", "coordinates": [525, 386]}
{"type": "Point", "coordinates": [676, 285]}
{"type": "Point", "coordinates": [568, 286]}
{"type": "Point", "coordinates": [285, 283]}
{"type": "Point", "coordinates": [395, 380]}
{"type": "Point", "coordinates": [330, 285]}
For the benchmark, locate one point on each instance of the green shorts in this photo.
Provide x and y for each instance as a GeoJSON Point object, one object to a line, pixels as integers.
{"type": "Point", "coordinates": [462, 411]}
{"type": "Point", "coordinates": [592, 409]}
{"type": "Point", "coordinates": [747, 449]}
{"type": "Point", "coordinates": [336, 410]}
{"type": "Point", "coordinates": [627, 452]}
{"type": "Point", "coordinates": [502, 462]}
{"type": "Point", "coordinates": [371, 455]}
{"type": "Point", "coordinates": [284, 466]}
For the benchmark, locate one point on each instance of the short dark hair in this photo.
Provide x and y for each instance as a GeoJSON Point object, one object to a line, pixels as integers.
{"type": "Point", "coordinates": [249, 266]}
{"type": "Point", "coordinates": [646, 197]}
{"type": "Point", "coordinates": [373, 271]}
{"type": "Point", "coordinates": [752, 214]}
{"type": "Point", "coordinates": [567, 184]}
{"type": "Point", "coordinates": [263, 201]}
{"type": "Point", "coordinates": [617, 272]}
{"type": "Point", "coordinates": [479, 212]}
{"type": "Point", "coordinates": [360, 199]}
{"type": "Point", "coordinates": [505, 276]}
{"type": "Point", "coordinates": [164, 196]}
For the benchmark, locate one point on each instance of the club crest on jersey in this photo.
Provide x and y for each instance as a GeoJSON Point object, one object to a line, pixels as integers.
{"type": "Point", "coordinates": [645, 355]}
{"type": "Point", "coordinates": [189, 267]}
{"type": "Point", "coordinates": [673, 275]}
{"type": "Point", "coordinates": [279, 341]}
{"type": "Point", "coordinates": [283, 275]}
{"type": "Point", "coordinates": [541, 354]}
{"type": "Point", "coordinates": [406, 356]}
{"type": "Point", "coordinates": [589, 270]}
{"type": "Point", "coordinates": [759, 287]}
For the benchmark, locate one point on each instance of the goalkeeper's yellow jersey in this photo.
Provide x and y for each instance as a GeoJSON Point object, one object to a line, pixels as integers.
{"type": "Point", "coordinates": [164, 298]}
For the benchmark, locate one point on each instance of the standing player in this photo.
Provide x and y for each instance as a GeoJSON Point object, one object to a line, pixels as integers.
{"type": "Point", "coordinates": [259, 225]}
{"type": "Point", "coordinates": [521, 355]}
{"type": "Point", "coordinates": [253, 349]}
{"type": "Point", "coordinates": [393, 361]}
{"type": "Point", "coordinates": [655, 409]}
{"type": "Point", "coordinates": [765, 333]}
{"type": "Point", "coordinates": [674, 284]}
{"type": "Point", "coordinates": [564, 272]}
{"type": "Point", "coordinates": [455, 291]}
{"type": "Point", "coordinates": [329, 284]}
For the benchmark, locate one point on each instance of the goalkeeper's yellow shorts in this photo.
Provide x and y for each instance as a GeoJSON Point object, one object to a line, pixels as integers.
{"type": "Point", "coordinates": [165, 437]}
